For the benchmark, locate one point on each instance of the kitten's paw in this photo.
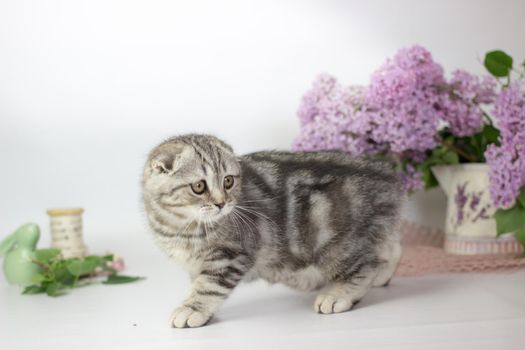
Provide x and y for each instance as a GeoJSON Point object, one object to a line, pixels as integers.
{"type": "Point", "coordinates": [330, 304]}
{"type": "Point", "coordinates": [185, 316]}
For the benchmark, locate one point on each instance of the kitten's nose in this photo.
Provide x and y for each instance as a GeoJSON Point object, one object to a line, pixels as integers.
{"type": "Point", "coordinates": [220, 205]}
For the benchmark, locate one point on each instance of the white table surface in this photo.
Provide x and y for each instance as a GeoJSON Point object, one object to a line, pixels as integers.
{"type": "Point", "coordinates": [475, 311]}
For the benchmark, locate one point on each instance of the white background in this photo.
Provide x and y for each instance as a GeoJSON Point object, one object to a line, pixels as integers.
{"type": "Point", "coordinates": [88, 87]}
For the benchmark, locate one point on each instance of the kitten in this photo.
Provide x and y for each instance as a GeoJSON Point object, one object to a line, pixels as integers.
{"type": "Point", "coordinates": [320, 220]}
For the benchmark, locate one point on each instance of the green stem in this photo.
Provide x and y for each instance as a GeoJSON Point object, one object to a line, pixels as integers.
{"type": "Point", "coordinates": [44, 267]}
{"type": "Point", "coordinates": [75, 281]}
{"type": "Point", "coordinates": [489, 119]}
{"type": "Point", "coordinates": [459, 151]}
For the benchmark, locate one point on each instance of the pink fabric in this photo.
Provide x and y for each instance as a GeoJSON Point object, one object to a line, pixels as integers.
{"type": "Point", "coordinates": [423, 255]}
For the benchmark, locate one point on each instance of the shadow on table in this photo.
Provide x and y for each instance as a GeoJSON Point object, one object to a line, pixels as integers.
{"type": "Point", "coordinates": [286, 302]}
{"type": "Point", "coordinates": [405, 288]}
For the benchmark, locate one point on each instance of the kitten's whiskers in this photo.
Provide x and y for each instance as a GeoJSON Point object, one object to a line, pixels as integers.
{"type": "Point", "coordinates": [259, 215]}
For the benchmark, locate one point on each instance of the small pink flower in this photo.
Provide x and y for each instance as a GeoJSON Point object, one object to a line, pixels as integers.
{"type": "Point", "coordinates": [117, 264]}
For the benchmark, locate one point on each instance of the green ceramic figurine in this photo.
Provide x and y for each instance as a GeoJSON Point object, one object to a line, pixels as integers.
{"type": "Point", "coordinates": [19, 251]}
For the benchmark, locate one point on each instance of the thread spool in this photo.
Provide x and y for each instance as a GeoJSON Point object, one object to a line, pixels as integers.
{"type": "Point", "coordinates": [66, 232]}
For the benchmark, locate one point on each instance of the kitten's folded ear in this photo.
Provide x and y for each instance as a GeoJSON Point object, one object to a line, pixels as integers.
{"type": "Point", "coordinates": [163, 164]}
{"type": "Point", "coordinates": [165, 158]}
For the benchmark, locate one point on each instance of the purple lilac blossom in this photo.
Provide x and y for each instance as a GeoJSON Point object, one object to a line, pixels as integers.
{"type": "Point", "coordinates": [400, 112]}
{"type": "Point", "coordinates": [411, 179]}
{"type": "Point", "coordinates": [460, 106]}
{"type": "Point", "coordinates": [509, 110]}
{"type": "Point", "coordinates": [317, 136]}
{"type": "Point", "coordinates": [322, 89]}
{"type": "Point", "coordinates": [325, 113]}
{"type": "Point", "coordinates": [506, 173]}
{"type": "Point", "coordinates": [507, 161]}
{"type": "Point", "coordinates": [401, 99]}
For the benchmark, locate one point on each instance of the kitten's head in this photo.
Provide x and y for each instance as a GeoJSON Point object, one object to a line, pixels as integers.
{"type": "Point", "coordinates": [193, 177]}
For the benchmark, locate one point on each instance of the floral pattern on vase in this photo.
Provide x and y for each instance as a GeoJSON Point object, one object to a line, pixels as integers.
{"type": "Point", "coordinates": [470, 226]}
{"type": "Point", "coordinates": [469, 207]}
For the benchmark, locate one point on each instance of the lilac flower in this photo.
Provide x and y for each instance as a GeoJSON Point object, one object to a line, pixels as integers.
{"type": "Point", "coordinates": [506, 173]}
{"type": "Point", "coordinates": [410, 70]}
{"type": "Point", "coordinates": [509, 110]}
{"type": "Point", "coordinates": [507, 162]}
{"type": "Point", "coordinates": [410, 126]}
{"type": "Point", "coordinates": [390, 85]}
{"type": "Point", "coordinates": [357, 135]}
{"type": "Point", "coordinates": [411, 179]}
{"type": "Point", "coordinates": [487, 90]}
{"type": "Point", "coordinates": [308, 109]}
{"type": "Point", "coordinates": [401, 111]}
{"type": "Point", "coordinates": [396, 113]}
{"type": "Point", "coordinates": [316, 136]}
{"type": "Point", "coordinates": [401, 100]}
{"type": "Point", "coordinates": [326, 111]}
{"type": "Point", "coordinates": [355, 96]}
{"type": "Point", "coordinates": [322, 99]}
{"type": "Point", "coordinates": [460, 107]}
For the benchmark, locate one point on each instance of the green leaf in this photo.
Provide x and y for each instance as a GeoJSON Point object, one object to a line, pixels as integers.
{"type": "Point", "coordinates": [427, 176]}
{"type": "Point", "coordinates": [79, 267]}
{"type": "Point", "coordinates": [95, 259]}
{"type": "Point", "coordinates": [38, 278]}
{"type": "Point", "coordinates": [63, 275]}
{"type": "Point", "coordinates": [491, 133]}
{"type": "Point", "coordinates": [89, 266]}
{"type": "Point", "coordinates": [451, 157]}
{"type": "Point", "coordinates": [498, 63]}
{"type": "Point", "coordinates": [44, 255]}
{"type": "Point", "coordinates": [429, 179]}
{"type": "Point", "coordinates": [53, 289]}
{"type": "Point", "coordinates": [510, 220]}
{"type": "Point", "coordinates": [119, 279]}
{"type": "Point", "coordinates": [521, 197]}
{"type": "Point", "coordinates": [520, 237]}
{"type": "Point", "coordinates": [108, 257]}
{"type": "Point", "coordinates": [34, 289]}
{"type": "Point", "coordinates": [75, 267]}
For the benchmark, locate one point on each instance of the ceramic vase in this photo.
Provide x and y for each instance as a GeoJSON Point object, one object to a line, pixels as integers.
{"type": "Point", "coordinates": [470, 226]}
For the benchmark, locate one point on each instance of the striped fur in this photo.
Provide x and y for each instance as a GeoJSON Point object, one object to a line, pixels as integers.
{"type": "Point", "coordinates": [321, 220]}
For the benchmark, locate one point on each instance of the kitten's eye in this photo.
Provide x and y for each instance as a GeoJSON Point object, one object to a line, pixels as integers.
{"type": "Point", "coordinates": [199, 187]}
{"type": "Point", "coordinates": [228, 182]}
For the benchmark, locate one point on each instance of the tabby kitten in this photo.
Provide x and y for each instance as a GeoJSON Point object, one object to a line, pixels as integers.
{"type": "Point", "coordinates": [320, 220]}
